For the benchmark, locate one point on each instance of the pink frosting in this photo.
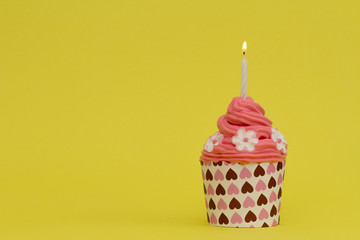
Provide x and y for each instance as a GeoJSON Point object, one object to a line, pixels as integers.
{"type": "Point", "coordinates": [244, 113]}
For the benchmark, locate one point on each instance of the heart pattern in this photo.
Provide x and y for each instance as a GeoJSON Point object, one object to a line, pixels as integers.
{"type": "Point", "coordinates": [280, 179]}
{"type": "Point", "coordinates": [223, 219]}
{"type": "Point", "coordinates": [279, 210]}
{"type": "Point", "coordinates": [209, 176]}
{"type": "Point", "coordinates": [218, 163]}
{"type": "Point", "coordinates": [229, 163]}
{"type": "Point", "coordinates": [262, 200]}
{"type": "Point", "coordinates": [263, 214]}
{"type": "Point", "coordinates": [249, 202]}
{"type": "Point", "coordinates": [272, 197]}
{"type": "Point", "coordinates": [213, 219]}
{"type": "Point", "coordinates": [221, 205]}
{"type": "Point", "coordinates": [219, 175]}
{"type": "Point", "coordinates": [245, 173]}
{"type": "Point", "coordinates": [273, 211]}
{"type": "Point", "coordinates": [231, 175]}
{"type": "Point", "coordinates": [243, 195]}
{"type": "Point", "coordinates": [234, 203]}
{"type": "Point", "coordinates": [272, 183]}
{"type": "Point", "coordinates": [233, 189]}
{"type": "Point", "coordinates": [265, 225]}
{"type": "Point", "coordinates": [274, 223]}
{"type": "Point", "coordinates": [250, 217]}
{"type": "Point", "coordinates": [247, 188]}
{"type": "Point", "coordinates": [260, 185]}
{"type": "Point", "coordinates": [279, 193]}
{"type": "Point", "coordinates": [212, 204]}
{"type": "Point", "coordinates": [259, 171]}
{"type": "Point", "coordinates": [270, 169]}
{"type": "Point", "coordinates": [236, 218]}
{"type": "Point", "coordinates": [220, 190]}
{"type": "Point", "coordinates": [210, 190]}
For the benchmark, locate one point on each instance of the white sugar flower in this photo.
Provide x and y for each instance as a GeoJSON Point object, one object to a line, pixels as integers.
{"type": "Point", "coordinates": [245, 140]}
{"type": "Point", "coordinates": [213, 141]}
{"type": "Point", "coordinates": [279, 139]}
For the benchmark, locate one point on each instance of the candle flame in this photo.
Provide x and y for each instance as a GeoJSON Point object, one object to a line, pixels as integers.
{"type": "Point", "coordinates": [244, 47]}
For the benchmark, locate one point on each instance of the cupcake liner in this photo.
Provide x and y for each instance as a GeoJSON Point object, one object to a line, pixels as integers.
{"type": "Point", "coordinates": [243, 195]}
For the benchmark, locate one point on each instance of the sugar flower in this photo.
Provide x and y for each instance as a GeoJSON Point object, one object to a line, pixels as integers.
{"type": "Point", "coordinates": [279, 140]}
{"type": "Point", "coordinates": [213, 141]}
{"type": "Point", "coordinates": [245, 140]}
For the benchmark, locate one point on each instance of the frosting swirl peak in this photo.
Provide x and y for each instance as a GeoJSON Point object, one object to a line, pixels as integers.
{"type": "Point", "coordinates": [245, 135]}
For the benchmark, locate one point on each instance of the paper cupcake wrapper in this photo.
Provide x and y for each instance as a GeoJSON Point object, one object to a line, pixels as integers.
{"type": "Point", "coordinates": [243, 195]}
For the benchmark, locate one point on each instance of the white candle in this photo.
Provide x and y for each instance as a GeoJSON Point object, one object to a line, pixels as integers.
{"type": "Point", "coordinates": [243, 72]}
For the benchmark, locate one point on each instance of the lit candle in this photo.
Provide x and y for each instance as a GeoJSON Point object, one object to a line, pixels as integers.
{"type": "Point", "coordinates": [243, 72]}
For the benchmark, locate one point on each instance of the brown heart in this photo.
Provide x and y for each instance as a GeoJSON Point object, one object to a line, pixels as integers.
{"type": "Point", "coordinates": [279, 166]}
{"type": "Point", "coordinates": [279, 193]}
{"type": "Point", "coordinates": [234, 204]}
{"type": "Point", "coordinates": [220, 190]}
{"type": "Point", "coordinates": [247, 188]}
{"type": "Point", "coordinates": [223, 219]}
{"type": "Point", "coordinates": [208, 219]}
{"type": "Point", "coordinates": [262, 200]}
{"type": "Point", "coordinates": [201, 163]}
{"type": "Point", "coordinates": [265, 225]}
{"type": "Point", "coordinates": [273, 211]}
{"type": "Point", "coordinates": [284, 175]}
{"type": "Point", "coordinates": [212, 204]}
{"type": "Point", "coordinates": [209, 176]}
{"type": "Point", "coordinates": [259, 171]}
{"type": "Point", "coordinates": [218, 163]}
{"type": "Point", "coordinates": [204, 189]}
{"type": "Point", "coordinates": [272, 183]}
{"type": "Point", "coordinates": [231, 175]}
{"type": "Point", "coordinates": [250, 217]}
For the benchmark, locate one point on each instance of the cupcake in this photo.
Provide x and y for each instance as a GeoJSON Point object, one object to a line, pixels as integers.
{"type": "Point", "coordinates": [243, 168]}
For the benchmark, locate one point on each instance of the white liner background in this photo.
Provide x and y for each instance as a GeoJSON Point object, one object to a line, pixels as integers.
{"type": "Point", "coordinates": [216, 177]}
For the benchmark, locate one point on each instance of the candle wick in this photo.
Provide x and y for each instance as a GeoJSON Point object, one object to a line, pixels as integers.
{"type": "Point", "coordinates": [243, 53]}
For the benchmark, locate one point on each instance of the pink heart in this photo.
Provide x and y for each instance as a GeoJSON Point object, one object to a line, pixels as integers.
{"type": "Point", "coordinates": [229, 163]}
{"type": "Point", "coordinates": [263, 214]}
{"type": "Point", "coordinates": [249, 202]}
{"type": "Point", "coordinates": [221, 205]}
{"type": "Point", "coordinates": [236, 218]}
{"type": "Point", "coordinates": [233, 189]}
{"type": "Point", "coordinates": [252, 226]}
{"type": "Point", "coordinates": [272, 197]}
{"type": "Point", "coordinates": [279, 207]}
{"type": "Point", "coordinates": [219, 175]}
{"type": "Point", "coordinates": [260, 186]}
{"type": "Point", "coordinates": [245, 173]}
{"type": "Point", "coordinates": [280, 179]}
{"type": "Point", "coordinates": [274, 223]}
{"type": "Point", "coordinates": [270, 169]}
{"type": "Point", "coordinates": [210, 190]}
{"type": "Point", "coordinates": [213, 219]}
{"type": "Point", "coordinates": [207, 206]}
{"type": "Point", "coordinates": [207, 163]}
{"type": "Point", "coordinates": [202, 172]}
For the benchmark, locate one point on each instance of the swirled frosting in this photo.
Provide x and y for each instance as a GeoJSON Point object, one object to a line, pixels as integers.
{"type": "Point", "coordinates": [247, 116]}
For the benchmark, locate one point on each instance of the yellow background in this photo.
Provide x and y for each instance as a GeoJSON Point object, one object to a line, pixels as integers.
{"type": "Point", "coordinates": [105, 107]}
